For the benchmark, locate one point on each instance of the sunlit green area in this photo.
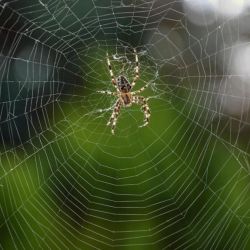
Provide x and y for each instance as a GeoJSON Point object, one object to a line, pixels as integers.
{"type": "Point", "coordinates": [66, 182]}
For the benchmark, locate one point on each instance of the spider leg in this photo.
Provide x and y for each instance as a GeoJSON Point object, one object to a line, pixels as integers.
{"type": "Point", "coordinates": [111, 71]}
{"type": "Point", "coordinates": [106, 92]}
{"type": "Point", "coordinates": [113, 119]}
{"type": "Point", "coordinates": [143, 101]}
{"type": "Point", "coordinates": [141, 89]}
{"type": "Point", "coordinates": [136, 69]}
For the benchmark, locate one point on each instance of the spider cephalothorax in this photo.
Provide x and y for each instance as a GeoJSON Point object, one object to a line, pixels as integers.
{"type": "Point", "coordinates": [125, 96]}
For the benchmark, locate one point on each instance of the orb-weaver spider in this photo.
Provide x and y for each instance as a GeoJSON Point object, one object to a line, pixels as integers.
{"type": "Point", "coordinates": [125, 96]}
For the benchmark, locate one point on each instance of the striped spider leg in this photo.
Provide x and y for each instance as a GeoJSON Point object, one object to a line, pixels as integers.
{"type": "Point", "coordinates": [136, 69]}
{"type": "Point", "coordinates": [145, 108]}
{"type": "Point", "coordinates": [140, 90]}
{"type": "Point", "coordinates": [113, 119]}
{"type": "Point", "coordinates": [111, 72]}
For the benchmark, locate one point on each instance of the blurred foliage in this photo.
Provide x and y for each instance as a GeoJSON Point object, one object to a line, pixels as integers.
{"type": "Point", "coordinates": [86, 179]}
{"type": "Point", "coordinates": [72, 184]}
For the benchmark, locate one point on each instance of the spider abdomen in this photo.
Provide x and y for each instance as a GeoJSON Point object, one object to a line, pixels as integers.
{"type": "Point", "coordinates": [123, 84]}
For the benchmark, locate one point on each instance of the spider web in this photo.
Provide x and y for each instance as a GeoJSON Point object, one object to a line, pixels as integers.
{"type": "Point", "coordinates": [180, 183]}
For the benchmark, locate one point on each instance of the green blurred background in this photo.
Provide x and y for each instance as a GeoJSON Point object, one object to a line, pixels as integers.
{"type": "Point", "coordinates": [67, 183]}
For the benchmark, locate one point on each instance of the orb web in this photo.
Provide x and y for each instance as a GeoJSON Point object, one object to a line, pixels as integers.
{"type": "Point", "coordinates": [182, 182]}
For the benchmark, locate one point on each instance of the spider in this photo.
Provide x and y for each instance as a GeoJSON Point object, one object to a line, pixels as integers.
{"type": "Point", "coordinates": [125, 96]}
